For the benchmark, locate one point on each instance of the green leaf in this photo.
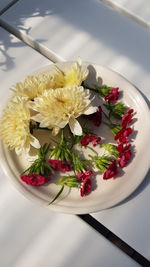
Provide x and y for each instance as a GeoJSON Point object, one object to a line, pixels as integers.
{"type": "Point", "coordinates": [67, 155]}
{"type": "Point", "coordinates": [101, 162]}
{"type": "Point", "coordinates": [115, 129]}
{"type": "Point", "coordinates": [118, 110]}
{"type": "Point", "coordinates": [109, 106]}
{"type": "Point", "coordinates": [70, 181]}
{"type": "Point", "coordinates": [40, 166]}
{"type": "Point", "coordinates": [103, 90]}
{"type": "Point", "coordinates": [112, 149]}
{"type": "Point", "coordinates": [43, 150]}
{"type": "Point", "coordinates": [58, 153]}
{"type": "Point", "coordinates": [58, 194]}
{"type": "Point", "coordinates": [61, 151]}
{"type": "Point", "coordinates": [76, 139]}
{"type": "Point", "coordinates": [78, 164]}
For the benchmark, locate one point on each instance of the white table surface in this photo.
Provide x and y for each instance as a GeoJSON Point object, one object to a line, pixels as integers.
{"type": "Point", "coordinates": [101, 35]}
{"type": "Point", "coordinates": [35, 237]}
{"type": "Point", "coordinates": [30, 235]}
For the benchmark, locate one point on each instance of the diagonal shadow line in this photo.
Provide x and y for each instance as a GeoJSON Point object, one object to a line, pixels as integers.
{"type": "Point", "coordinates": [2, 11]}
{"type": "Point", "coordinates": [118, 242]}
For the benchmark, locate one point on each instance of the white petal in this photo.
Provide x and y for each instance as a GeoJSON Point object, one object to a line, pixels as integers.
{"type": "Point", "coordinates": [37, 118]}
{"type": "Point", "coordinates": [79, 61]}
{"type": "Point", "coordinates": [18, 151]}
{"type": "Point", "coordinates": [44, 124]}
{"type": "Point", "coordinates": [62, 124]}
{"type": "Point", "coordinates": [75, 127]}
{"type": "Point", "coordinates": [34, 142]}
{"type": "Point", "coordinates": [90, 110]}
{"type": "Point", "coordinates": [31, 104]}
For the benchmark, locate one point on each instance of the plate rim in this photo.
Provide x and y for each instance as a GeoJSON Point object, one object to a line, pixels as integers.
{"type": "Point", "coordinates": [70, 209]}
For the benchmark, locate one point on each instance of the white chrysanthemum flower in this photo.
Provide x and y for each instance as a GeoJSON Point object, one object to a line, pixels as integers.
{"type": "Point", "coordinates": [76, 74]}
{"type": "Point", "coordinates": [15, 126]}
{"type": "Point", "coordinates": [36, 85]}
{"type": "Point", "coordinates": [62, 106]}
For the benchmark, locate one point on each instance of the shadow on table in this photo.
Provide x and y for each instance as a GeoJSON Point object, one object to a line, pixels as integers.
{"type": "Point", "coordinates": [7, 40]}
{"type": "Point", "coordinates": [7, 60]}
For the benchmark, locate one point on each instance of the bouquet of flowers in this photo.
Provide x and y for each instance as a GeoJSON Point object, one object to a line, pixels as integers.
{"type": "Point", "coordinates": [63, 104]}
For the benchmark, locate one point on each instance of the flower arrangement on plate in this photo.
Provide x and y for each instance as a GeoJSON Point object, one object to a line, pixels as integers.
{"type": "Point", "coordinates": [69, 130]}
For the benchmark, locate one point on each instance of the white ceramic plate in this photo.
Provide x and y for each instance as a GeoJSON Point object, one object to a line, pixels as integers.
{"type": "Point", "coordinates": [106, 193]}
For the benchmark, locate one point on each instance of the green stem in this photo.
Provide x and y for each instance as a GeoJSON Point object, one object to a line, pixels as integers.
{"type": "Point", "coordinates": [58, 194]}
{"type": "Point", "coordinates": [92, 149]}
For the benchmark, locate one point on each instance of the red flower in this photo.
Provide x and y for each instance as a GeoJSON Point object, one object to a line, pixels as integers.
{"type": "Point", "coordinates": [123, 148]}
{"type": "Point", "coordinates": [90, 138]}
{"type": "Point", "coordinates": [85, 140]}
{"type": "Point", "coordinates": [86, 187]}
{"type": "Point", "coordinates": [123, 134]}
{"type": "Point", "coordinates": [95, 140]}
{"type": "Point", "coordinates": [59, 165]}
{"type": "Point", "coordinates": [113, 95]}
{"type": "Point", "coordinates": [55, 164]}
{"type": "Point", "coordinates": [111, 170]}
{"type": "Point", "coordinates": [82, 176]}
{"type": "Point", "coordinates": [124, 154]}
{"type": "Point", "coordinates": [65, 167]}
{"type": "Point", "coordinates": [127, 118]}
{"type": "Point", "coordinates": [85, 178]}
{"type": "Point", "coordinates": [96, 117]}
{"type": "Point", "coordinates": [34, 179]}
